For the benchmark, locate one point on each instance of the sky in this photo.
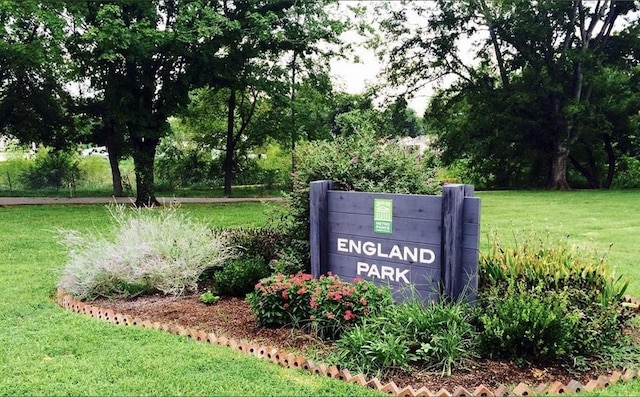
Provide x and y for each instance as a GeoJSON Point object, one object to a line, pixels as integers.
{"type": "Point", "coordinates": [355, 77]}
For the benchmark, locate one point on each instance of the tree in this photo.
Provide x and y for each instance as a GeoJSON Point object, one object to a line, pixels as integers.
{"type": "Point", "coordinates": [33, 71]}
{"type": "Point", "coordinates": [537, 59]}
{"type": "Point", "coordinates": [141, 58]}
{"type": "Point", "coordinates": [257, 36]}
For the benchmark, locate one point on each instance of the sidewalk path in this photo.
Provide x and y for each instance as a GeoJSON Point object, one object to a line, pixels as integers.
{"type": "Point", "coordinates": [127, 200]}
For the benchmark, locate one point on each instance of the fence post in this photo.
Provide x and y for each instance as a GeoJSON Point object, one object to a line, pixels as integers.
{"type": "Point", "coordinates": [318, 228]}
{"type": "Point", "coordinates": [452, 206]}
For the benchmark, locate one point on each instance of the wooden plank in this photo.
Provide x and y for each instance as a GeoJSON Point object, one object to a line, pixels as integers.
{"type": "Point", "coordinates": [408, 229]}
{"type": "Point", "coordinates": [416, 274]}
{"type": "Point", "coordinates": [376, 248]}
{"type": "Point", "coordinates": [318, 226]}
{"type": "Point", "coordinates": [404, 205]}
{"type": "Point", "coordinates": [452, 209]}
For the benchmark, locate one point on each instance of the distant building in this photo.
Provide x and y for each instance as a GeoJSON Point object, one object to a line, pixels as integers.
{"type": "Point", "coordinates": [420, 143]}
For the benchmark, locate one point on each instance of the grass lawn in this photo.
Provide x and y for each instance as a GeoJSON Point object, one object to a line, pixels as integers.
{"type": "Point", "coordinates": [605, 221]}
{"type": "Point", "coordinates": [48, 351]}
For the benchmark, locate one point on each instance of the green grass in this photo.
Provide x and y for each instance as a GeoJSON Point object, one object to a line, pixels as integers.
{"type": "Point", "coordinates": [47, 351]}
{"type": "Point", "coordinates": [236, 191]}
{"type": "Point", "coordinates": [605, 221]}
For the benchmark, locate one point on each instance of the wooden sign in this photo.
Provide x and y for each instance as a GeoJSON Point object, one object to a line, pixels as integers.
{"type": "Point", "coordinates": [421, 246]}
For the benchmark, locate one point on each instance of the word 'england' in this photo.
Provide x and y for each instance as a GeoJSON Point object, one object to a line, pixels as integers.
{"type": "Point", "coordinates": [403, 253]}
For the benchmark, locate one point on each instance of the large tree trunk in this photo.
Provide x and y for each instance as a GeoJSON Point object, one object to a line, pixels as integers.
{"type": "Point", "coordinates": [558, 175]}
{"type": "Point", "coordinates": [113, 152]}
{"type": "Point", "coordinates": [230, 146]}
{"type": "Point", "coordinates": [144, 152]}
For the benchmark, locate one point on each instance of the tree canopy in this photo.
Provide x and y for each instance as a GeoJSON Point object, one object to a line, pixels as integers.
{"type": "Point", "coordinates": [531, 102]}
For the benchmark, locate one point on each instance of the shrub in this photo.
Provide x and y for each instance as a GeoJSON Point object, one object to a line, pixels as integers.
{"type": "Point", "coordinates": [524, 324]}
{"type": "Point", "coordinates": [535, 295]}
{"type": "Point", "coordinates": [628, 173]}
{"type": "Point", "coordinates": [264, 243]}
{"type": "Point", "coordinates": [280, 300]}
{"type": "Point", "coordinates": [336, 305]}
{"type": "Point", "coordinates": [237, 277]}
{"type": "Point", "coordinates": [359, 162]}
{"type": "Point", "coordinates": [439, 336]}
{"type": "Point", "coordinates": [327, 305]}
{"type": "Point", "coordinates": [287, 262]}
{"type": "Point", "coordinates": [147, 250]}
{"type": "Point", "coordinates": [51, 169]}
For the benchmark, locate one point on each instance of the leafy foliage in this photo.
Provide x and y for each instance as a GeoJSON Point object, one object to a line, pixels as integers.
{"type": "Point", "coordinates": [51, 169]}
{"type": "Point", "coordinates": [208, 298]}
{"type": "Point", "coordinates": [359, 162]}
{"type": "Point", "coordinates": [146, 251]}
{"type": "Point", "coordinates": [264, 242]}
{"type": "Point", "coordinates": [439, 336]}
{"type": "Point", "coordinates": [542, 301]}
{"type": "Point", "coordinates": [327, 305]}
{"type": "Point", "coordinates": [237, 277]}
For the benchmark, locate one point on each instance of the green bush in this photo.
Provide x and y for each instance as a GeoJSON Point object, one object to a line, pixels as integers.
{"type": "Point", "coordinates": [265, 242]}
{"type": "Point", "coordinates": [237, 277]}
{"type": "Point", "coordinates": [337, 305]}
{"type": "Point", "coordinates": [438, 336]}
{"type": "Point", "coordinates": [281, 300]}
{"type": "Point", "coordinates": [51, 169]}
{"type": "Point", "coordinates": [96, 172]}
{"type": "Point", "coordinates": [147, 250]}
{"type": "Point", "coordinates": [326, 305]}
{"type": "Point", "coordinates": [359, 162]}
{"type": "Point", "coordinates": [528, 325]}
{"type": "Point", "coordinates": [628, 173]}
{"type": "Point", "coordinates": [535, 295]}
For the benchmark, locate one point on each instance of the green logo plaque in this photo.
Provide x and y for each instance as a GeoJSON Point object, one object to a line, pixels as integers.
{"type": "Point", "coordinates": [383, 216]}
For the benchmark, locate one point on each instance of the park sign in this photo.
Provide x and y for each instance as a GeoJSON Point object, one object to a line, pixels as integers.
{"type": "Point", "coordinates": [421, 246]}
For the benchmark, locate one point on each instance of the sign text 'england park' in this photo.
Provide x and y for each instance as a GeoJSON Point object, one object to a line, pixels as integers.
{"type": "Point", "coordinates": [421, 246]}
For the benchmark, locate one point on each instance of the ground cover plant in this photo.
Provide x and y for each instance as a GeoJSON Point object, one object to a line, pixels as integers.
{"type": "Point", "coordinates": [146, 251]}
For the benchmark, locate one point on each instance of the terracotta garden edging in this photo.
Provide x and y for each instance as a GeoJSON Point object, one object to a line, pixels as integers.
{"type": "Point", "coordinates": [289, 360]}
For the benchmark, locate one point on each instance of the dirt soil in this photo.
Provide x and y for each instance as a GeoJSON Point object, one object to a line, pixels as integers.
{"type": "Point", "coordinates": [232, 318]}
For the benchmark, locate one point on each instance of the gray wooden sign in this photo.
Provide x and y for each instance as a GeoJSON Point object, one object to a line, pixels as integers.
{"type": "Point", "coordinates": [421, 246]}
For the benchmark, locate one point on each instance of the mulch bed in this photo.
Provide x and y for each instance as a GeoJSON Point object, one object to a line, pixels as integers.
{"type": "Point", "coordinates": [232, 318]}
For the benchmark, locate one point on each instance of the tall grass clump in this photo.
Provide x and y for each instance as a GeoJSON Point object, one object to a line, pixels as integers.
{"type": "Point", "coordinates": [437, 336]}
{"type": "Point", "coordinates": [147, 250]}
{"type": "Point", "coordinates": [539, 301]}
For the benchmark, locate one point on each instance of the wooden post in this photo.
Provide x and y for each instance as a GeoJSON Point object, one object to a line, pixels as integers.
{"type": "Point", "coordinates": [318, 225]}
{"type": "Point", "coordinates": [452, 207]}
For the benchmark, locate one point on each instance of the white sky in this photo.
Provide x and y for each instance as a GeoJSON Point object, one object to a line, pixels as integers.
{"type": "Point", "coordinates": [355, 78]}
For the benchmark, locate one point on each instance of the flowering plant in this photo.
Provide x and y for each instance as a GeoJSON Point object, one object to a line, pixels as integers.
{"type": "Point", "coordinates": [281, 300]}
{"type": "Point", "coordinates": [328, 304]}
{"type": "Point", "coordinates": [336, 304]}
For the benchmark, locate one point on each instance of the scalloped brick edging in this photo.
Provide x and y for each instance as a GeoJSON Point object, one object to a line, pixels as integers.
{"type": "Point", "coordinates": [289, 360]}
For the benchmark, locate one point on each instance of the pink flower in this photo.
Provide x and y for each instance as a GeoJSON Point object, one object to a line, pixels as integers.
{"type": "Point", "coordinates": [286, 305]}
{"type": "Point", "coordinates": [330, 315]}
{"type": "Point", "coordinates": [285, 294]}
{"type": "Point", "coordinates": [348, 315]}
{"type": "Point", "coordinates": [357, 280]}
{"type": "Point", "coordinates": [363, 301]}
{"type": "Point", "coordinates": [354, 159]}
{"type": "Point", "coordinates": [302, 291]}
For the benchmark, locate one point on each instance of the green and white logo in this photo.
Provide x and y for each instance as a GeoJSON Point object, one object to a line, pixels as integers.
{"type": "Point", "coordinates": [383, 216]}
